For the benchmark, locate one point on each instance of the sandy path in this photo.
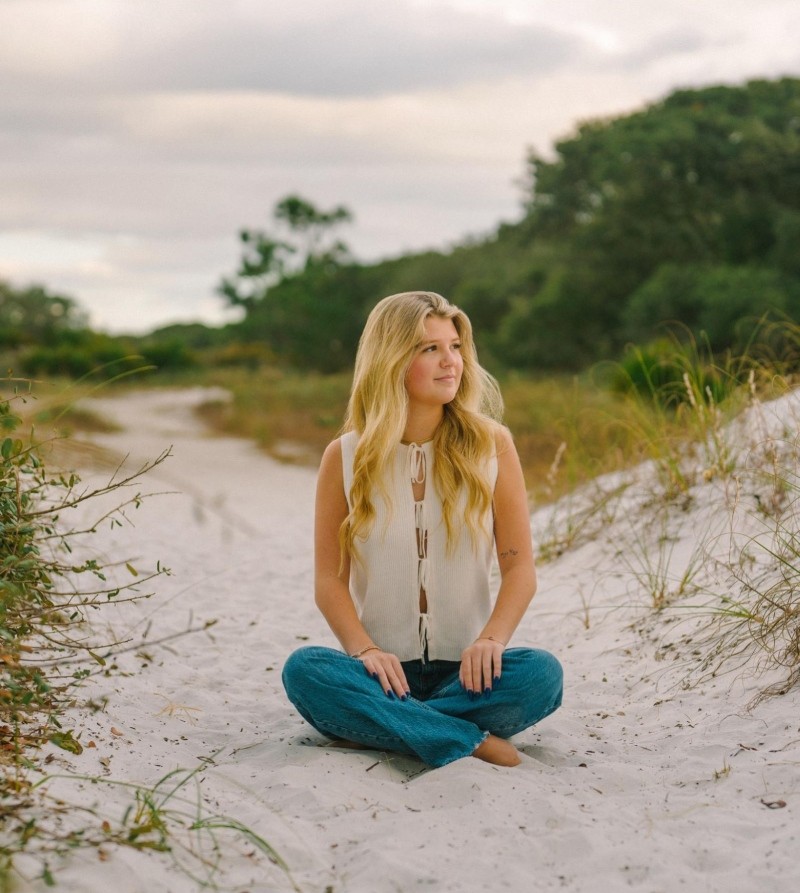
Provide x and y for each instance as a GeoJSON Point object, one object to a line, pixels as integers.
{"type": "Point", "coordinates": [635, 784]}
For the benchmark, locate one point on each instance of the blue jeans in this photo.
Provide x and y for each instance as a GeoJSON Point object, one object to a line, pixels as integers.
{"type": "Point", "coordinates": [440, 722]}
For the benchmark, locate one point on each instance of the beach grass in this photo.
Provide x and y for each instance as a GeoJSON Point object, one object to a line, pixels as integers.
{"type": "Point", "coordinates": [568, 429]}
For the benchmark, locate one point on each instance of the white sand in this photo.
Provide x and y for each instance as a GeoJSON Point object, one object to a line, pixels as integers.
{"type": "Point", "coordinates": [636, 783]}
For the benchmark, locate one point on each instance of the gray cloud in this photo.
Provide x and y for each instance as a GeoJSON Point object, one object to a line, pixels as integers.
{"type": "Point", "coordinates": [347, 48]}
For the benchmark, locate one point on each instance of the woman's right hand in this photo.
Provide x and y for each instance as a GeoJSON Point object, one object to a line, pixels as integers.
{"type": "Point", "coordinates": [387, 670]}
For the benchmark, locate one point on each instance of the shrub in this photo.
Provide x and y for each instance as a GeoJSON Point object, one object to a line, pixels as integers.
{"type": "Point", "coordinates": [722, 304]}
{"type": "Point", "coordinates": [171, 354]}
{"type": "Point", "coordinates": [659, 371]}
{"type": "Point", "coordinates": [42, 600]}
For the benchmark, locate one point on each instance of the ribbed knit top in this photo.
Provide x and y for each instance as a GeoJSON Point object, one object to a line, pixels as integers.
{"type": "Point", "coordinates": [405, 551]}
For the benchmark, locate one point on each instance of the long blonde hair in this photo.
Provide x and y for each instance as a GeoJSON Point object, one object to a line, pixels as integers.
{"type": "Point", "coordinates": [378, 411]}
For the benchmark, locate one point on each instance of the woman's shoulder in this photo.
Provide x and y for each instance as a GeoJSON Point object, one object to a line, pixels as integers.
{"type": "Point", "coordinates": [347, 445]}
{"type": "Point", "coordinates": [331, 457]}
{"type": "Point", "coordinates": [340, 453]}
{"type": "Point", "coordinates": [503, 439]}
{"type": "Point", "coordinates": [341, 444]}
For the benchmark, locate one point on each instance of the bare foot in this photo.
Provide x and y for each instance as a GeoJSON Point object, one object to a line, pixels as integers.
{"type": "Point", "coordinates": [497, 751]}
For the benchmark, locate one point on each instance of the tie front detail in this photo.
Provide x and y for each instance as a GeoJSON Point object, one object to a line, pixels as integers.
{"type": "Point", "coordinates": [418, 595]}
{"type": "Point", "coordinates": [418, 470]}
{"type": "Point", "coordinates": [417, 463]}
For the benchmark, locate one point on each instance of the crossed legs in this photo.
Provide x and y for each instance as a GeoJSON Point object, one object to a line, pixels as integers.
{"type": "Point", "coordinates": [336, 696]}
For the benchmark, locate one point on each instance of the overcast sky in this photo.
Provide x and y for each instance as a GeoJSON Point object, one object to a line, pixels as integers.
{"type": "Point", "coordinates": [138, 136]}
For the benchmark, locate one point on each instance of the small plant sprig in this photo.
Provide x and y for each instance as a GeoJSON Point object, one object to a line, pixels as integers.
{"type": "Point", "coordinates": [654, 564]}
{"type": "Point", "coordinates": [167, 817]}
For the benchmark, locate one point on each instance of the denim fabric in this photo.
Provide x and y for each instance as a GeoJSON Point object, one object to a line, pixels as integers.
{"type": "Point", "coordinates": [440, 722]}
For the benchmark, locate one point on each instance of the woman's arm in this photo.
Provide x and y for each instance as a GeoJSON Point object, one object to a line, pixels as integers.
{"type": "Point", "coordinates": [332, 575]}
{"type": "Point", "coordinates": [481, 662]}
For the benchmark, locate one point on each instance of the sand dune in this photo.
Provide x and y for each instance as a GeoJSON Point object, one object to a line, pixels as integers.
{"type": "Point", "coordinates": [649, 778]}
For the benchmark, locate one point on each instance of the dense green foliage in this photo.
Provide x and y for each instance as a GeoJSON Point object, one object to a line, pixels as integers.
{"type": "Point", "coordinates": [47, 334]}
{"type": "Point", "coordinates": [686, 211]}
{"type": "Point", "coordinates": [33, 316]}
{"type": "Point", "coordinates": [708, 179]}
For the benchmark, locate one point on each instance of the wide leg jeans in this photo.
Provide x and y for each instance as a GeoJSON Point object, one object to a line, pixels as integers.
{"type": "Point", "coordinates": [440, 721]}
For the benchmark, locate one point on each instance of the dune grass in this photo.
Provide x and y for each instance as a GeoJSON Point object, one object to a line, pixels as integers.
{"type": "Point", "coordinates": [292, 416]}
{"type": "Point", "coordinates": [567, 429]}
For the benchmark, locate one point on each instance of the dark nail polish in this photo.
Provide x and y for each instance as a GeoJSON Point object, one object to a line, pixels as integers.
{"type": "Point", "coordinates": [403, 697]}
{"type": "Point", "coordinates": [374, 675]}
{"type": "Point", "coordinates": [390, 695]}
{"type": "Point", "coordinates": [496, 680]}
{"type": "Point", "coordinates": [487, 691]}
{"type": "Point", "coordinates": [408, 694]}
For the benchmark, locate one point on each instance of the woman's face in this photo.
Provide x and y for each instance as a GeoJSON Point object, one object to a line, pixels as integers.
{"type": "Point", "coordinates": [435, 372]}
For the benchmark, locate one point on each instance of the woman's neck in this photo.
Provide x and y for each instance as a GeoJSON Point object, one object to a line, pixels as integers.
{"type": "Point", "coordinates": [422, 424]}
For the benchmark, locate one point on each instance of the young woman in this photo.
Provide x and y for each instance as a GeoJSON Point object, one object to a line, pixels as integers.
{"type": "Point", "coordinates": [411, 502]}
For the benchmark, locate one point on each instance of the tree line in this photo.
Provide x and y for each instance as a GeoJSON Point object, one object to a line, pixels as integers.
{"type": "Point", "coordinates": [687, 212]}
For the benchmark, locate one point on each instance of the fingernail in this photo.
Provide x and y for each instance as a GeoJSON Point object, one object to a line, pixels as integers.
{"type": "Point", "coordinates": [403, 697]}
{"type": "Point", "coordinates": [496, 680]}
{"type": "Point", "coordinates": [408, 694]}
{"type": "Point", "coordinates": [390, 695]}
{"type": "Point", "coordinates": [471, 694]}
{"type": "Point", "coordinates": [374, 675]}
{"type": "Point", "coordinates": [487, 691]}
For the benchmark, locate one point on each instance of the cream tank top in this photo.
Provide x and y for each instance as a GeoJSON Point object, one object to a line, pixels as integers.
{"type": "Point", "coordinates": [406, 551]}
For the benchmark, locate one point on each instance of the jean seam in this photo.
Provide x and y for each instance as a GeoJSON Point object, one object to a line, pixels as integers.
{"type": "Point", "coordinates": [352, 735]}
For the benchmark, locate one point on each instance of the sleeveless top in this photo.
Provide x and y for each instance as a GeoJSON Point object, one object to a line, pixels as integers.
{"type": "Point", "coordinates": [406, 550]}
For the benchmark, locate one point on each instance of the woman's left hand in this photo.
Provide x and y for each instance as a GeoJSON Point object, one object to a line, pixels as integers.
{"type": "Point", "coordinates": [481, 665]}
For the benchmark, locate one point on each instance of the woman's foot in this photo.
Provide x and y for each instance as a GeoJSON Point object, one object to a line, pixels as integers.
{"type": "Point", "coordinates": [497, 751]}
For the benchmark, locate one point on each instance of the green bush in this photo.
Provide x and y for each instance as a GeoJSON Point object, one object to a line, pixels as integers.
{"type": "Point", "coordinates": [723, 304]}
{"type": "Point", "coordinates": [171, 354]}
{"type": "Point", "coordinates": [252, 355]}
{"type": "Point", "coordinates": [34, 316]}
{"type": "Point", "coordinates": [670, 373]}
{"type": "Point", "coordinates": [42, 600]}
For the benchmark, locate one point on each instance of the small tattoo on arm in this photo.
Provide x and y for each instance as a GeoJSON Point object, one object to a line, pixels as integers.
{"type": "Point", "coordinates": [509, 552]}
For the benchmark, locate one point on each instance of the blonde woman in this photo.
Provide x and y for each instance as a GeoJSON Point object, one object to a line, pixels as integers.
{"type": "Point", "coordinates": [412, 501]}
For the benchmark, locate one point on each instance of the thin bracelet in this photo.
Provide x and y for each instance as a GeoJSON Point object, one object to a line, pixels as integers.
{"type": "Point", "coordinates": [365, 650]}
{"type": "Point", "coordinates": [492, 639]}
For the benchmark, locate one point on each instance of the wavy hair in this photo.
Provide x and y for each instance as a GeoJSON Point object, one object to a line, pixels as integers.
{"type": "Point", "coordinates": [378, 411]}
